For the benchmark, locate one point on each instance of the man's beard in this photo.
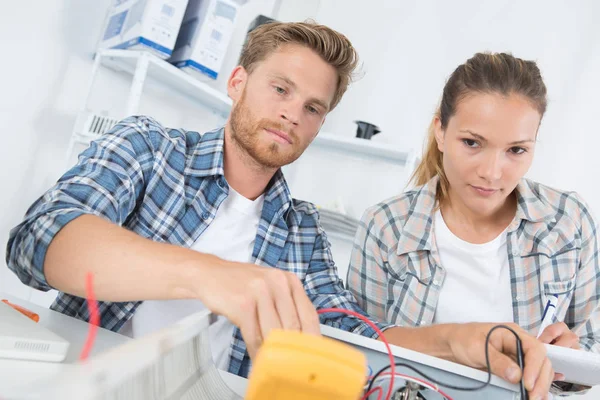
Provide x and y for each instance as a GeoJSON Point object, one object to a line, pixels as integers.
{"type": "Point", "coordinates": [246, 131]}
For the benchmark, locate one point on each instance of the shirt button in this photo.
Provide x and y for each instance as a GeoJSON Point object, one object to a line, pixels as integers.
{"type": "Point", "coordinates": [221, 182]}
{"type": "Point", "coordinates": [515, 252]}
{"type": "Point", "coordinates": [205, 215]}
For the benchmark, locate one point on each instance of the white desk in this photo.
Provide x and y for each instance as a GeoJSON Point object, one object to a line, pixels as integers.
{"type": "Point", "coordinates": [16, 373]}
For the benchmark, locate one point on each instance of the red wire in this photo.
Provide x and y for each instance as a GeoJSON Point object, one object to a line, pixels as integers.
{"type": "Point", "coordinates": [370, 392]}
{"type": "Point", "coordinates": [440, 391]}
{"type": "Point", "coordinates": [381, 336]}
{"type": "Point", "coordinates": [94, 317]}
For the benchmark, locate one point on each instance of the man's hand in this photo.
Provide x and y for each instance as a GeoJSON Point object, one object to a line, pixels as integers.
{"type": "Point", "coordinates": [467, 342]}
{"type": "Point", "coordinates": [257, 300]}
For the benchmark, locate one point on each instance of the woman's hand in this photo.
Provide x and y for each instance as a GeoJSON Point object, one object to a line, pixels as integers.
{"type": "Point", "coordinates": [559, 334]}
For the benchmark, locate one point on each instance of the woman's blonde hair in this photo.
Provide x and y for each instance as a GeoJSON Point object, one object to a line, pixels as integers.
{"type": "Point", "coordinates": [333, 47]}
{"type": "Point", "coordinates": [483, 73]}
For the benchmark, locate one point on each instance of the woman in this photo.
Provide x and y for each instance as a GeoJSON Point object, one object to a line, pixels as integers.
{"type": "Point", "coordinates": [475, 241]}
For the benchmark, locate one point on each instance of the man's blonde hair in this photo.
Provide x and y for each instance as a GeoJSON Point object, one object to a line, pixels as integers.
{"type": "Point", "coordinates": [333, 47]}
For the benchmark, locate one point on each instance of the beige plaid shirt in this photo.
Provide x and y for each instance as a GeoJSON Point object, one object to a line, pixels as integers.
{"type": "Point", "coordinates": [396, 275]}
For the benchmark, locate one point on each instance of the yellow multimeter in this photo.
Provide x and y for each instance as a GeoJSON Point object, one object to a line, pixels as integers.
{"type": "Point", "coordinates": [298, 366]}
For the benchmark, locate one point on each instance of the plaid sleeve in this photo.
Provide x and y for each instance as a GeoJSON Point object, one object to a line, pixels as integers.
{"type": "Point", "coordinates": [326, 290]}
{"type": "Point", "coordinates": [584, 311]}
{"type": "Point", "coordinates": [367, 279]}
{"type": "Point", "coordinates": [583, 316]}
{"type": "Point", "coordinates": [107, 180]}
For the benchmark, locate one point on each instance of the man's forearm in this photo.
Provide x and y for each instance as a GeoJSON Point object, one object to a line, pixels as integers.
{"type": "Point", "coordinates": [126, 266]}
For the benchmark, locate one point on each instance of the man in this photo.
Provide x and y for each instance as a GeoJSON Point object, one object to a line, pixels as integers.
{"type": "Point", "coordinates": [170, 222]}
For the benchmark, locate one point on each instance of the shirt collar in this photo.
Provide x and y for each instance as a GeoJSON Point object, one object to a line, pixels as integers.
{"type": "Point", "coordinates": [531, 205]}
{"type": "Point", "coordinates": [206, 159]}
{"type": "Point", "coordinates": [205, 153]}
{"type": "Point", "coordinates": [417, 233]}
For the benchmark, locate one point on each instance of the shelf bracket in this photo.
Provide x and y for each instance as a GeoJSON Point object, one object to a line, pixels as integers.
{"type": "Point", "coordinates": [137, 85]}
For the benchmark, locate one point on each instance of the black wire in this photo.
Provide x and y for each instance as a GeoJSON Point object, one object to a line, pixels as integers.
{"type": "Point", "coordinates": [462, 388]}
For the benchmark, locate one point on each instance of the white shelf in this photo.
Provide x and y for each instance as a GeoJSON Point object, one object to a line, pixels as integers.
{"type": "Point", "coordinates": [363, 147]}
{"type": "Point", "coordinates": [161, 71]}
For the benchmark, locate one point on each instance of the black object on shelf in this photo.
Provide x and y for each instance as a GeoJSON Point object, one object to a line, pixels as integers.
{"type": "Point", "coordinates": [256, 22]}
{"type": "Point", "coordinates": [365, 130]}
{"type": "Point", "coordinates": [259, 20]}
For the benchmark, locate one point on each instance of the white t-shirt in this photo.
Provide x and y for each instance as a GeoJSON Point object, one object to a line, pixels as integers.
{"type": "Point", "coordinates": [477, 284]}
{"type": "Point", "coordinates": [230, 236]}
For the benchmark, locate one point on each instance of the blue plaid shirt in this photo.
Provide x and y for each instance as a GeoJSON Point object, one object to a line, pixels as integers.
{"type": "Point", "coordinates": [167, 185]}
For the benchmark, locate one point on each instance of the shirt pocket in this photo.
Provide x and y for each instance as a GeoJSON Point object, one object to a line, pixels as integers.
{"type": "Point", "coordinates": [559, 287]}
{"type": "Point", "coordinates": [408, 286]}
{"type": "Point", "coordinates": [410, 266]}
{"type": "Point", "coordinates": [563, 290]}
{"type": "Point", "coordinates": [557, 276]}
{"type": "Point", "coordinates": [557, 271]}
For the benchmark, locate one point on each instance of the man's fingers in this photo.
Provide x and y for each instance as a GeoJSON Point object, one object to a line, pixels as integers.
{"type": "Point", "coordinates": [543, 381]}
{"type": "Point", "coordinates": [250, 328]}
{"type": "Point", "coordinates": [285, 303]}
{"type": "Point", "coordinates": [309, 319]}
{"type": "Point", "coordinates": [504, 366]}
{"type": "Point", "coordinates": [268, 317]}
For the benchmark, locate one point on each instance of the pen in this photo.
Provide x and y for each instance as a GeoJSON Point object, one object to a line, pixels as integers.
{"type": "Point", "coordinates": [549, 312]}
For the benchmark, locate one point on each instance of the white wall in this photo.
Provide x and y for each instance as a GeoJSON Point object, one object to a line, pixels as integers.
{"type": "Point", "coordinates": [41, 74]}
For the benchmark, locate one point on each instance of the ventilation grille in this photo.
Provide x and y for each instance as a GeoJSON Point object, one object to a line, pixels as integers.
{"type": "Point", "coordinates": [97, 125]}
{"type": "Point", "coordinates": [32, 347]}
